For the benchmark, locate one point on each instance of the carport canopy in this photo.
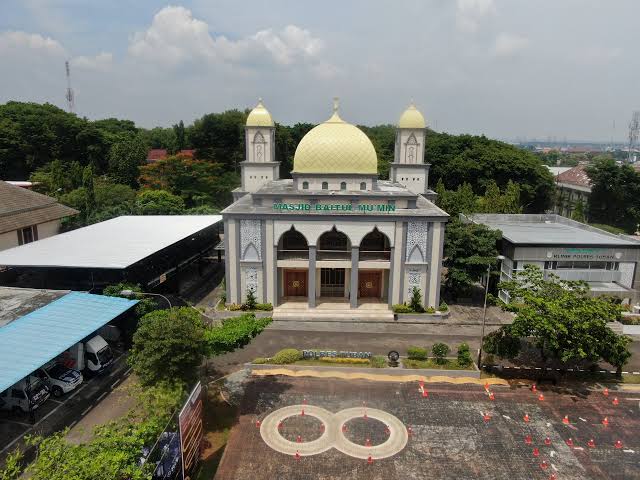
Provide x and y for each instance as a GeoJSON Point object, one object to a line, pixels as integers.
{"type": "Point", "coordinates": [30, 341]}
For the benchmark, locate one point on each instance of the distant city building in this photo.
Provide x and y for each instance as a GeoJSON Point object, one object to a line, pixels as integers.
{"type": "Point", "coordinates": [27, 216]}
{"type": "Point", "coordinates": [569, 249]}
{"type": "Point", "coordinates": [573, 186]}
{"type": "Point", "coordinates": [334, 235]}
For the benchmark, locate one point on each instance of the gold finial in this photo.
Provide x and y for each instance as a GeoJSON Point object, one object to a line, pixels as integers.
{"type": "Point", "coordinates": [336, 104]}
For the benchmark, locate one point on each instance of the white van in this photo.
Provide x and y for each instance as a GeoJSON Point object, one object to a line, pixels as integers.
{"type": "Point", "coordinates": [91, 356]}
{"type": "Point", "coordinates": [59, 378]}
{"type": "Point", "coordinates": [19, 397]}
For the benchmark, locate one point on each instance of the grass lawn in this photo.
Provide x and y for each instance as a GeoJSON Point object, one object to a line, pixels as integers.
{"type": "Point", "coordinates": [448, 364]}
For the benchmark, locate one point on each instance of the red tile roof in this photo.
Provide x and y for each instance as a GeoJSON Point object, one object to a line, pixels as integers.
{"type": "Point", "coordinates": [575, 176]}
{"type": "Point", "coordinates": [156, 154]}
{"type": "Point", "coordinates": [187, 153]}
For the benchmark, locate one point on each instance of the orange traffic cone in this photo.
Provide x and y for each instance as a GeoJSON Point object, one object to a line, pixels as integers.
{"type": "Point", "coordinates": [302, 413]}
{"type": "Point", "coordinates": [297, 455]}
{"type": "Point", "coordinates": [344, 428]}
{"type": "Point", "coordinates": [591, 443]}
{"type": "Point", "coordinates": [486, 417]}
{"type": "Point", "coordinates": [606, 392]}
{"type": "Point", "coordinates": [569, 442]}
{"type": "Point", "coordinates": [280, 425]}
{"type": "Point", "coordinates": [526, 418]}
{"type": "Point", "coordinates": [541, 397]}
{"type": "Point", "coordinates": [536, 452]}
{"type": "Point", "coordinates": [547, 441]}
{"type": "Point", "coordinates": [533, 388]}
{"type": "Point", "coordinates": [421, 383]}
{"type": "Point", "coordinates": [425, 394]}
{"type": "Point", "coordinates": [387, 430]}
{"type": "Point", "coordinates": [605, 421]}
{"type": "Point", "coordinates": [615, 401]}
{"type": "Point", "coordinates": [369, 460]}
{"type": "Point", "coordinates": [544, 465]}
{"type": "Point", "coordinates": [492, 397]}
{"type": "Point", "coordinates": [486, 386]}
{"type": "Point", "coordinates": [553, 476]}
{"type": "Point", "coordinates": [618, 444]}
{"type": "Point", "coordinates": [367, 443]}
{"type": "Point", "coordinates": [409, 431]}
{"type": "Point", "coordinates": [299, 439]}
{"type": "Point", "coordinates": [528, 440]}
{"type": "Point", "coordinates": [258, 423]}
{"type": "Point", "coordinates": [565, 420]}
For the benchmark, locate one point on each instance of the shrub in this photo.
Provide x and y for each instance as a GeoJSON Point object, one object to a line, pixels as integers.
{"type": "Point", "coordinates": [267, 307]}
{"type": "Point", "coordinates": [251, 302]}
{"type": "Point", "coordinates": [416, 300]}
{"type": "Point", "coordinates": [286, 356]}
{"type": "Point", "coordinates": [440, 351]}
{"type": "Point", "coordinates": [417, 353]}
{"type": "Point", "coordinates": [378, 361]}
{"type": "Point", "coordinates": [402, 308]}
{"type": "Point", "coordinates": [233, 333]}
{"type": "Point", "coordinates": [234, 307]}
{"type": "Point", "coordinates": [345, 360]}
{"type": "Point", "coordinates": [443, 307]}
{"type": "Point", "coordinates": [464, 355]}
{"type": "Point", "coordinates": [502, 343]}
{"type": "Point", "coordinates": [260, 361]}
{"type": "Point", "coordinates": [430, 310]}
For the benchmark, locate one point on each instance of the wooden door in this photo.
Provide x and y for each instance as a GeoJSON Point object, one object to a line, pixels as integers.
{"type": "Point", "coordinates": [369, 284]}
{"type": "Point", "coordinates": [295, 283]}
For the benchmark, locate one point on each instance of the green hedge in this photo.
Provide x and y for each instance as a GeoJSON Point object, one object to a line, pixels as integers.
{"type": "Point", "coordinates": [234, 333]}
{"type": "Point", "coordinates": [288, 355]}
{"type": "Point", "coordinates": [417, 353]}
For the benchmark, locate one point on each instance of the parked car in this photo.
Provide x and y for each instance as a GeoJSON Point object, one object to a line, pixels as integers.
{"type": "Point", "coordinates": [24, 397]}
{"type": "Point", "coordinates": [59, 378]}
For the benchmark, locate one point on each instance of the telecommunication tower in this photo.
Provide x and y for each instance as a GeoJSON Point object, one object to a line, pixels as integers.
{"type": "Point", "coordinates": [69, 96]}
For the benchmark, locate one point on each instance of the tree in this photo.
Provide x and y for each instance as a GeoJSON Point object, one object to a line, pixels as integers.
{"type": "Point", "coordinates": [251, 299]}
{"type": "Point", "coordinates": [125, 159]}
{"type": "Point", "coordinates": [563, 319]}
{"type": "Point", "coordinates": [578, 212]}
{"type": "Point", "coordinates": [416, 300]}
{"type": "Point", "coordinates": [90, 195]}
{"type": "Point", "coordinates": [440, 351]}
{"type": "Point", "coordinates": [469, 249]}
{"type": "Point", "coordinates": [145, 304]}
{"type": "Point", "coordinates": [181, 140]}
{"type": "Point", "coordinates": [168, 346]}
{"type": "Point", "coordinates": [455, 202]}
{"type": "Point", "coordinates": [158, 202]}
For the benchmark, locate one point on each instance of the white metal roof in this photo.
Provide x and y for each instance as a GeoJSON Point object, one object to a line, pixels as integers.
{"type": "Point", "coordinates": [115, 243]}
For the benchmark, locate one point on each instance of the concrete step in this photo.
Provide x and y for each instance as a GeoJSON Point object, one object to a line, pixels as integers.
{"type": "Point", "coordinates": [616, 327]}
{"type": "Point", "coordinates": [331, 315]}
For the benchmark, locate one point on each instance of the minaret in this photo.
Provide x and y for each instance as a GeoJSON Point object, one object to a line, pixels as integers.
{"type": "Point", "coordinates": [408, 167]}
{"type": "Point", "coordinates": [259, 166]}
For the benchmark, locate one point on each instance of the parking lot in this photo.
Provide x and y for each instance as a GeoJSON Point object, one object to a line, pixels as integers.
{"type": "Point", "coordinates": [58, 413]}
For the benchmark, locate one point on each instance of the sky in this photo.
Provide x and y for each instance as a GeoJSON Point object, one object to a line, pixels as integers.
{"type": "Point", "coordinates": [509, 69]}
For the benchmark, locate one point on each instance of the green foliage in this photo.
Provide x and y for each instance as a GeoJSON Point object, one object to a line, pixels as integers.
{"type": "Point", "coordinates": [608, 228]}
{"type": "Point", "coordinates": [234, 332]}
{"type": "Point", "coordinates": [12, 465]}
{"type": "Point", "coordinates": [455, 202]}
{"type": "Point", "coordinates": [168, 346]}
{"type": "Point", "coordinates": [402, 308]}
{"type": "Point", "coordinates": [443, 307]}
{"type": "Point", "coordinates": [579, 212]}
{"type": "Point", "coordinates": [430, 310]}
{"type": "Point", "coordinates": [417, 353]}
{"type": "Point", "coordinates": [158, 202]}
{"type": "Point", "coordinates": [501, 343]}
{"type": "Point", "coordinates": [125, 159]}
{"type": "Point", "coordinates": [286, 356]}
{"type": "Point", "coordinates": [378, 361]}
{"type": "Point", "coordinates": [251, 299]}
{"type": "Point", "coordinates": [440, 351]}
{"type": "Point", "coordinates": [202, 210]}
{"type": "Point", "coordinates": [266, 307]}
{"type": "Point", "coordinates": [145, 304]}
{"type": "Point", "coordinates": [468, 249]}
{"type": "Point", "coordinates": [115, 448]}
{"type": "Point", "coordinates": [415, 303]}
{"type": "Point", "coordinates": [90, 194]}
{"type": "Point", "coordinates": [615, 195]}
{"type": "Point", "coordinates": [260, 361]}
{"type": "Point", "coordinates": [563, 319]}
{"type": "Point", "coordinates": [464, 355]}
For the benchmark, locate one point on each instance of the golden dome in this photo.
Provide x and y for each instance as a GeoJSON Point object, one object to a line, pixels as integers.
{"type": "Point", "coordinates": [335, 146]}
{"type": "Point", "coordinates": [412, 118]}
{"type": "Point", "coordinates": [259, 117]}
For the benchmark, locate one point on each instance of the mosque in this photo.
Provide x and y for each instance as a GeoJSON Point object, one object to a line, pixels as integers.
{"type": "Point", "coordinates": [334, 236]}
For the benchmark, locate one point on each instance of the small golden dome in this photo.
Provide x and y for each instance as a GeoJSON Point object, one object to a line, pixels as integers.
{"type": "Point", "coordinates": [412, 118]}
{"type": "Point", "coordinates": [259, 117]}
{"type": "Point", "coordinates": [335, 146]}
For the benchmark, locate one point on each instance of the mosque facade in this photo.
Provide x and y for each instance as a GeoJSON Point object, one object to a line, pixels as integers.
{"type": "Point", "coordinates": [334, 232]}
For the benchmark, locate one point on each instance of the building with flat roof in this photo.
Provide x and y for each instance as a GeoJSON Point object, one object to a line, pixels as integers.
{"type": "Point", "coordinates": [569, 249]}
{"type": "Point", "coordinates": [334, 233]}
{"type": "Point", "coordinates": [27, 216]}
{"type": "Point", "coordinates": [147, 250]}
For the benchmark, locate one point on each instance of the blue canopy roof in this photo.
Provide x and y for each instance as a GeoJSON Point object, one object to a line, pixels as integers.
{"type": "Point", "coordinates": [30, 341]}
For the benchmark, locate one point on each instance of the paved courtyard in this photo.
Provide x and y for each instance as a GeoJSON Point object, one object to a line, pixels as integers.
{"type": "Point", "coordinates": [444, 435]}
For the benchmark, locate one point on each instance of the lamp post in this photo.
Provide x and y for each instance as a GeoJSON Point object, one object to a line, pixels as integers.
{"type": "Point", "coordinates": [484, 310]}
{"type": "Point", "coordinates": [131, 293]}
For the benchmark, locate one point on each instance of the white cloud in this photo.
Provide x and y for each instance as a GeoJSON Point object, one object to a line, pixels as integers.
{"type": "Point", "coordinates": [175, 37]}
{"type": "Point", "coordinates": [15, 41]}
{"type": "Point", "coordinates": [509, 44]}
{"type": "Point", "coordinates": [101, 62]}
{"type": "Point", "coordinates": [469, 13]}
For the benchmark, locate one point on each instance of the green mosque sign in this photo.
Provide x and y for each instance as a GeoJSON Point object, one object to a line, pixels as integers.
{"type": "Point", "coordinates": [333, 207]}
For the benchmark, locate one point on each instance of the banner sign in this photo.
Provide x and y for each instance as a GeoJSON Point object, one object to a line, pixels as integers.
{"type": "Point", "coordinates": [582, 254]}
{"type": "Point", "coordinates": [334, 354]}
{"type": "Point", "coordinates": [337, 207]}
{"type": "Point", "coordinates": [190, 422]}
